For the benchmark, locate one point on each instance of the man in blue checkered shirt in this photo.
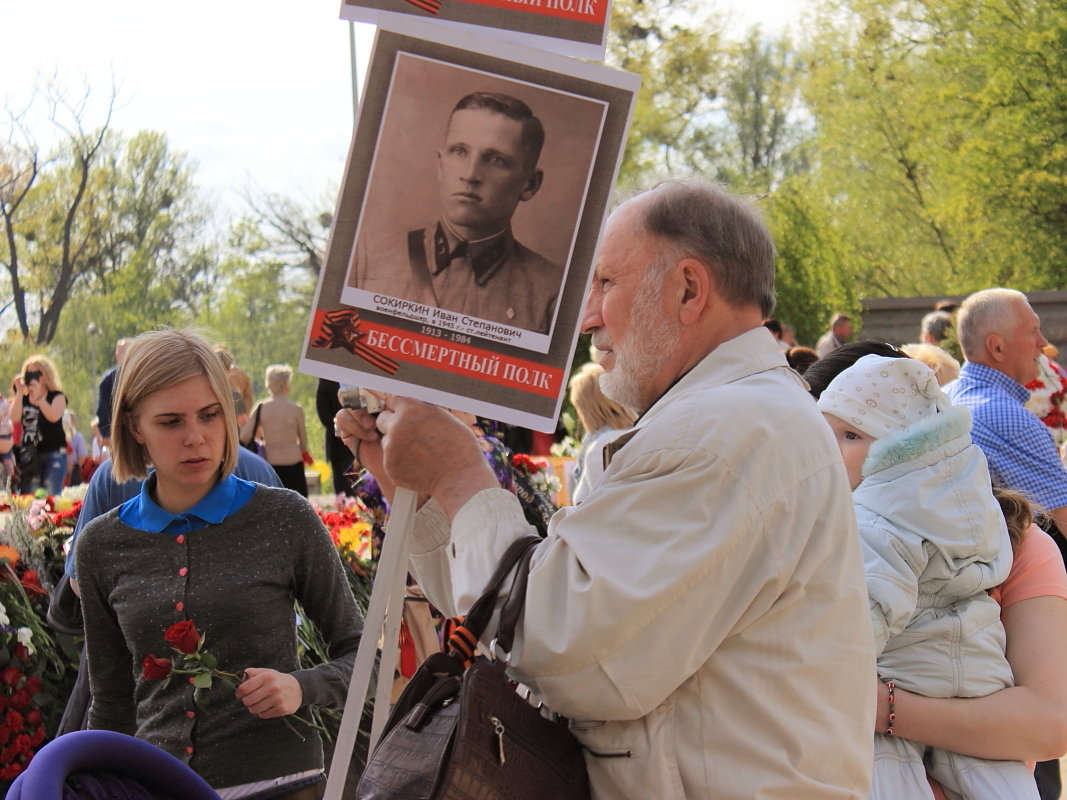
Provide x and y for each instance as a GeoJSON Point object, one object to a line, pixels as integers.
{"type": "Point", "coordinates": [1000, 335]}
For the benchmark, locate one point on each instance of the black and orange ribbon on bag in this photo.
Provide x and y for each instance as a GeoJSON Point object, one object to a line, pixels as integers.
{"type": "Point", "coordinates": [340, 328]}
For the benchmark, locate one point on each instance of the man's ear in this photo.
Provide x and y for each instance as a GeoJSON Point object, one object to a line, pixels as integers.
{"type": "Point", "coordinates": [697, 287]}
{"type": "Point", "coordinates": [537, 176]}
{"type": "Point", "coordinates": [995, 346]}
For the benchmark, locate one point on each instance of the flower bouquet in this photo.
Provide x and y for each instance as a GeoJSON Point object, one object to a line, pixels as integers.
{"type": "Point", "coordinates": [37, 665]}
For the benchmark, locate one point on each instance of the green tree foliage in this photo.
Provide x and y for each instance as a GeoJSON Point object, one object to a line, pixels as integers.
{"type": "Point", "coordinates": [811, 278]}
{"type": "Point", "coordinates": [101, 216]}
{"type": "Point", "coordinates": [940, 140]}
{"type": "Point", "coordinates": [260, 313]}
{"type": "Point", "coordinates": [679, 53]}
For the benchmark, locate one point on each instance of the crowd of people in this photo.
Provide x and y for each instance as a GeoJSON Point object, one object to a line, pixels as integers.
{"type": "Point", "coordinates": [812, 573]}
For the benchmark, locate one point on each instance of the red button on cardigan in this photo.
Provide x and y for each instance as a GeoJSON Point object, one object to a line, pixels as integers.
{"type": "Point", "coordinates": [180, 538]}
{"type": "Point", "coordinates": [183, 571]}
{"type": "Point", "coordinates": [179, 606]}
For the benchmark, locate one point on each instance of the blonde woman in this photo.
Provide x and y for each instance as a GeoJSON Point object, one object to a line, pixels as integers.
{"type": "Point", "coordinates": [601, 420]}
{"type": "Point", "coordinates": [39, 404]}
{"type": "Point", "coordinates": [279, 422]}
{"type": "Point", "coordinates": [204, 552]}
{"type": "Point", "coordinates": [946, 368]}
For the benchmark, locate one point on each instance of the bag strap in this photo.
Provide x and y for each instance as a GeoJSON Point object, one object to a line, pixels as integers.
{"type": "Point", "coordinates": [464, 639]}
{"type": "Point", "coordinates": [255, 424]}
{"type": "Point", "coordinates": [516, 601]}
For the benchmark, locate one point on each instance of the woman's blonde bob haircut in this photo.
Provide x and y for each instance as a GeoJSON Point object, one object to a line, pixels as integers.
{"type": "Point", "coordinates": [155, 361]}
{"type": "Point", "coordinates": [595, 410]}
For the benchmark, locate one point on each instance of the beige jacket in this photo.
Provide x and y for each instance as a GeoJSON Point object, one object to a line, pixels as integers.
{"type": "Point", "coordinates": [281, 426]}
{"type": "Point", "coordinates": [702, 616]}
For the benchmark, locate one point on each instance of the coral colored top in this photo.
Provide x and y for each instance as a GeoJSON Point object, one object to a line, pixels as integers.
{"type": "Point", "coordinates": [1037, 571]}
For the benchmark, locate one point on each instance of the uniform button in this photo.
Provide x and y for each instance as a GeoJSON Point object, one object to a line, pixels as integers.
{"type": "Point", "coordinates": [189, 750]}
{"type": "Point", "coordinates": [179, 606]}
{"type": "Point", "coordinates": [183, 571]}
{"type": "Point", "coordinates": [190, 714]}
{"type": "Point", "coordinates": [180, 539]}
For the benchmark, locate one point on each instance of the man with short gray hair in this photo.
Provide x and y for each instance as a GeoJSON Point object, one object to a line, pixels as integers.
{"type": "Point", "coordinates": [701, 616]}
{"type": "Point", "coordinates": [839, 333]}
{"type": "Point", "coordinates": [1000, 335]}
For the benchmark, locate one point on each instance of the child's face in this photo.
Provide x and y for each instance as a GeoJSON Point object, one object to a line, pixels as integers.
{"type": "Point", "coordinates": [853, 444]}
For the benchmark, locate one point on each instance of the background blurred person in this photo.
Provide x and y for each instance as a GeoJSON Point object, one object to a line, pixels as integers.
{"type": "Point", "coordinates": [39, 404]}
{"type": "Point", "coordinates": [105, 391]}
{"type": "Point", "coordinates": [602, 420]}
{"type": "Point", "coordinates": [280, 423]}
{"type": "Point", "coordinates": [945, 367]}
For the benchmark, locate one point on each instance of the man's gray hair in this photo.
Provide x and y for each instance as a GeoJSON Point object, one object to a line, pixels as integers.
{"type": "Point", "coordinates": [936, 324]}
{"type": "Point", "coordinates": [704, 221]}
{"type": "Point", "coordinates": [985, 312]}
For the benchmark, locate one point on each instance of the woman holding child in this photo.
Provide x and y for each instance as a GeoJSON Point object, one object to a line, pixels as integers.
{"type": "Point", "coordinates": [922, 504]}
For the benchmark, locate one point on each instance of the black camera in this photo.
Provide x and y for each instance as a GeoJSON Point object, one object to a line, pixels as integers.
{"type": "Point", "coordinates": [31, 375]}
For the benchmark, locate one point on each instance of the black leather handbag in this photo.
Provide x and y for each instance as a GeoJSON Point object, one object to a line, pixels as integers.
{"type": "Point", "coordinates": [460, 731]}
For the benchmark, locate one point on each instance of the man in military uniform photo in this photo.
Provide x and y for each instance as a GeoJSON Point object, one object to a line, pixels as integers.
{"type": "Point", "coordinates": [468, 261]}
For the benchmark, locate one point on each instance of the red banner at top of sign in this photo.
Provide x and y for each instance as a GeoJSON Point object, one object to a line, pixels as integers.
{"type": "Point", "coordinates": [579, 10]}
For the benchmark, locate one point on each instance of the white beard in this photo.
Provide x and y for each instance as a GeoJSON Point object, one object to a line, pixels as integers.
{"type": "Point", "coordinates": [639, 356]}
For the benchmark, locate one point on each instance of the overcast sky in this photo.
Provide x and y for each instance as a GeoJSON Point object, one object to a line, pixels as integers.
{"type": "Point", "coordinates": [256, 92]}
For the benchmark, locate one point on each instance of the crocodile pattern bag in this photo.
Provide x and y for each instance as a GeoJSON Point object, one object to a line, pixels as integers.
{"type": "Point", "coordinates": [462, 732]}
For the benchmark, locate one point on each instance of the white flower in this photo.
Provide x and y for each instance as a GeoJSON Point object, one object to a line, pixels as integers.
{"type": "Point", "coordinates": [4, 619]}
{"type": "Point", "coordinates": [25, 637]}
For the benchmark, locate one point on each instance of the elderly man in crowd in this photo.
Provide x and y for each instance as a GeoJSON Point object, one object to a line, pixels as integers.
{"type": "Point", "coordinates": [702, 616]}
{"type": "Point", "coordinates": [839, 333]}
{"type": "Point", "coordinates": [1000, 335]}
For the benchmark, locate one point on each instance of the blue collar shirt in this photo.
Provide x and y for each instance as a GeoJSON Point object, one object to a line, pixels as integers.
{"type": "Point", "coordinates": [1021, 452]}
{"type": "Point", "coordinates": [227, 497]}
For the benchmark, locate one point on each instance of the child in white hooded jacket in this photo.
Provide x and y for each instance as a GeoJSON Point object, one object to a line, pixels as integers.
{"type": "Point", "coordinates": [934, 542]}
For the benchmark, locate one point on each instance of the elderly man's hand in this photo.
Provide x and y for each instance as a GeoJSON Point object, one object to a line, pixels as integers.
{"type": "Point", "coordinates": [359, 431]}
{"type": "Point", "coordinates": [428, 450]}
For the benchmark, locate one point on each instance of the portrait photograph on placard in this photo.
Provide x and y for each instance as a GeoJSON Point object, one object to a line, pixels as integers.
{"type": "Point", "coordinates": [475, 193]}
{"type": "Point", "coordinates": [575, 28]}
{"type": "Point", "coordinates": [475, 189]}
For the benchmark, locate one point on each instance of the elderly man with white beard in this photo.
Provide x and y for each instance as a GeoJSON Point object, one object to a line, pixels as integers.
{"type": "Point", "coordinates": [702, 616]}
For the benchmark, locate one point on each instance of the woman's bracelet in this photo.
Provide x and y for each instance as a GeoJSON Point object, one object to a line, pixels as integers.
{"type": "Point", "coordinates": [891, 686]}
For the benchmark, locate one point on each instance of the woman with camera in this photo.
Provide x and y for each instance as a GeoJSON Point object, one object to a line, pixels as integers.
{"type": "Point", "coordinates": [39, 404]}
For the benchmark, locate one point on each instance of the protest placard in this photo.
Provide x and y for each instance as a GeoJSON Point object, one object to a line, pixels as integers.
{"type": "Point", "coordinates": [474, 193]}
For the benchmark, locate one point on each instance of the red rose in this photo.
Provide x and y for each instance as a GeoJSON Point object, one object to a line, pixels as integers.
{"type": "Point", "coordinates": [155, 669]}
{"type": "Point", "coordinates": [10, 676]}
{"type": "Point", "coordinates": [14, 721]}
{"type": "Point", "coordinates": [184, 636]}
{"type": "Point", "coordinates": [22, 744]}
{"type": "Point", "coordinates": [3, 703]}
{"type": "Point", "coordinates": [22, 653]}
{"type": "Point", "coordinates": [5, 735]}
{"type": "Point", "coordinates": [38, 735]}
{"type": "Point", "coordinates": [20, 699]}
{"type": "Point", "coordinates": [34, 716]}
{"type": "Point", "coordinates": [33, 685]}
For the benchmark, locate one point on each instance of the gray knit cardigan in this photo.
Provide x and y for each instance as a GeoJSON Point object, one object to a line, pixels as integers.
{"type": "Point", "coordinates": [237, 582]}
